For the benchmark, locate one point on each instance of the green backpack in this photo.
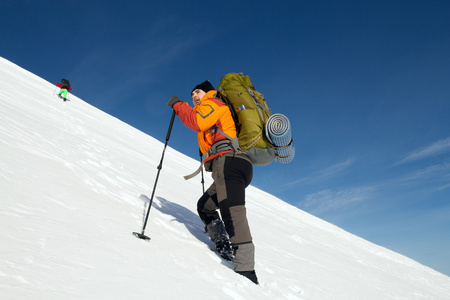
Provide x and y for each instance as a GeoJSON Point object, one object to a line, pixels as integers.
{"type": "Point", "coordinates": [250, 113]}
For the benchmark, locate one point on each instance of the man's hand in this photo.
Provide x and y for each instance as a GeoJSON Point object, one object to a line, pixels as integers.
{"type": "Point", "coordinates": [172, 101]}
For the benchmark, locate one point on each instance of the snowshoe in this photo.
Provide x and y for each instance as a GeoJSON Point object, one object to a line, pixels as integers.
{"type": "Point", "coordinates": [223, 247]}
{"type": "Point", "coordinates": [219, 236]}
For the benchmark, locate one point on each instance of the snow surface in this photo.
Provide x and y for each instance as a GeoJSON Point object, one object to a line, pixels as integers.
{"type": "Point", "coordinates": [71, 177]}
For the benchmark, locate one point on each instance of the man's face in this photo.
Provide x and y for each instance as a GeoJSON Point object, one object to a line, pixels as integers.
{"type": "Point", "coordinates": [197, 95]}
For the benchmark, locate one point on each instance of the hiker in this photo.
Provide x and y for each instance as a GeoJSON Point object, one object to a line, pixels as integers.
{"type": "Point", "coordinates": [232, 172]}
{"type": "Point", "coordinates": [64, 85]}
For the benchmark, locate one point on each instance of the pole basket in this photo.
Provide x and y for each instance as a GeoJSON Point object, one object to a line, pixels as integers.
{"type": "Point", "coordinates": [141, 236]}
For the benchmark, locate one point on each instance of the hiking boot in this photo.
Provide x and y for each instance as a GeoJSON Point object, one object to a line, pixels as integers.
{"type": "Point", "coordinates": [219, 236]}
{"type": "Point", "coordinates": [250, 275]}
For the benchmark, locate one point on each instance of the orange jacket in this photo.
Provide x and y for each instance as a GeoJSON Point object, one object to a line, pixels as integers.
{"type": "Point", "coordinates": [211, 111]}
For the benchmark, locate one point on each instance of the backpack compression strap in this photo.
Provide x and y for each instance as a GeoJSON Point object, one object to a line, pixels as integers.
{"type": "Point", "coordinates": [199, 169]}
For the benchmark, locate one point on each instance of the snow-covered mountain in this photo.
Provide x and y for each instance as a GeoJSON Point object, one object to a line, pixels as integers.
{"type": "Point", "coordinates": [71, 177]}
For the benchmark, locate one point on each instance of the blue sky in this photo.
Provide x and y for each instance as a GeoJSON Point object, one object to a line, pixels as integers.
{"type": "Point", "coordinates": [365, 85]}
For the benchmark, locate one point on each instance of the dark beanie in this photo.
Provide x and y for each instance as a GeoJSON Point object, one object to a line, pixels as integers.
{"type": "Point", "coordinates": [205, 86]}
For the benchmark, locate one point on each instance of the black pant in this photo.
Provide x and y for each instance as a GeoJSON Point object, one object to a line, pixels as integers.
{"type": "Point", "coordinates": [232, 173]}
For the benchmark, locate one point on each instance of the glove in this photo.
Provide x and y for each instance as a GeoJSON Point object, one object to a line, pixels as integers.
{"type": "Point", "coordinates": [172, 101]}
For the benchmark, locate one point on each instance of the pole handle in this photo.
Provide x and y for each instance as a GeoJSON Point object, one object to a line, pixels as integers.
{"type": "Point", "coordinates": [170, 125]}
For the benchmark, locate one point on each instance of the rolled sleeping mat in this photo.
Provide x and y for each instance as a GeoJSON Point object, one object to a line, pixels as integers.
{"type": "Point", "coordinates": [278, 131]}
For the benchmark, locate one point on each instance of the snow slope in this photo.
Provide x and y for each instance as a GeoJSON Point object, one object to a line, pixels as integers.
{"type": "Point", "coordinates": [70, 180]}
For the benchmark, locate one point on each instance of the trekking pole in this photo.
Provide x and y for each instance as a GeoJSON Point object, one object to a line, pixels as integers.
{"type": "Point", "coordinates": [142, 235]}
{"type": "Point", "coordinates": [203, 179]}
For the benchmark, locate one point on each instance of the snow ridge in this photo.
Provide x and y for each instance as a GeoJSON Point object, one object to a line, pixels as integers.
{"type": "Point", "coordinates": [71, 177]}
